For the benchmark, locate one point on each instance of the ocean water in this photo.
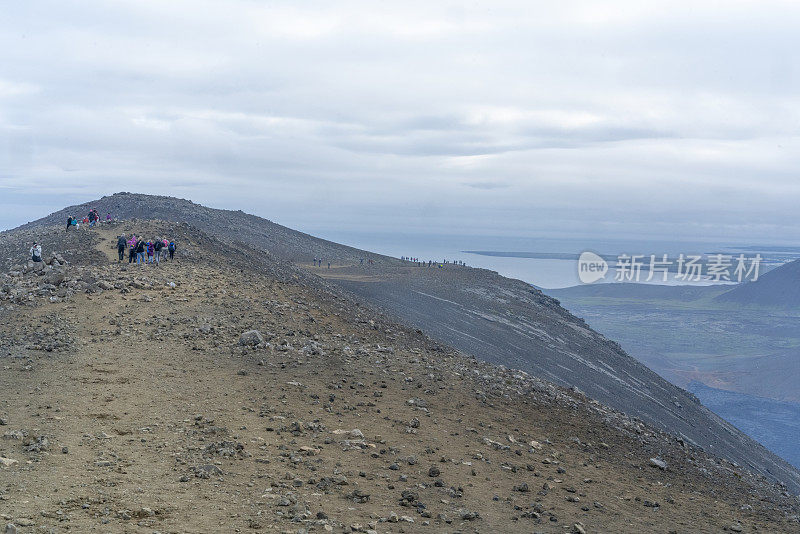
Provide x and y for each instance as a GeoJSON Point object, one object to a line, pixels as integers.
{"type": "Point", "coordinates": [559, 270]}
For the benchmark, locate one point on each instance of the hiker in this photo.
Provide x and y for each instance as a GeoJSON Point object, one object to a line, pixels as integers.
{"type": "Point", "coordinates": [329, 265]}
{"type": "Point", "coordinates": [121, 242]}
{"type": "Point", "coordinates": [158, 245]}
{"type": "Point", "coordinates": [139, 251]}
{"type": "Point", "coordinates": [171, 249]}
{"type": "Point", "coordinates": [131, 248]}
{"type": "Point", "coordinates": [92, 219]}
{"type": "Point", "coordinates": [165, 242]}
{"type": "Point", "coordinates": [150, 251]}
{"type": "Point", "coordinates": [69, 223]}
{"type": "Point", "coordinates": [36, 252]}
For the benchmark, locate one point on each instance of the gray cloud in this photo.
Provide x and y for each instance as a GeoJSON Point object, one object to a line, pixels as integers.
{"type": "Point", "coordinates": [533, 118]}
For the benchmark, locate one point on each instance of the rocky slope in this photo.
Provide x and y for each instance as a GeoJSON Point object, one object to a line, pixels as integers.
{"type": "Point", "coordinates": [479, 312]}
{"type": "Point", "coordinates": [139, 399]}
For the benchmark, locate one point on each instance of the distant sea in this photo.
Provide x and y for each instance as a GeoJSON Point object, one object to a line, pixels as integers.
{"type": "Point", "coordinates": [548, 263]}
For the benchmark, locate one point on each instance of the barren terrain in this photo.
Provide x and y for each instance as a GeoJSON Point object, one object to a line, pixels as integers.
{"type": "Point", "coordinates": [132, 402]}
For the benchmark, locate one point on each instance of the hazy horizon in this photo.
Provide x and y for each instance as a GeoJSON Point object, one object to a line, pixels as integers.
{"type": "Point", "coordinates": [351, 235]}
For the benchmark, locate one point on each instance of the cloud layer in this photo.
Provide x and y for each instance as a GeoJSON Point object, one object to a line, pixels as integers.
{"type": "Point", "coordinates": [519, 118]}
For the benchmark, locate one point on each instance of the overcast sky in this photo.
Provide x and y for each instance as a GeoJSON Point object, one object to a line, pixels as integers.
{"type": "Point", "coordinates": [623, 119]}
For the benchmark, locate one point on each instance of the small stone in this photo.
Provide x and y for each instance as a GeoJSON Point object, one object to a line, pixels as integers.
{"type": "Point", "coordinates": [207, 470]}
{"type": "Point", "coordinates": [360, 496]}
{"type": "Point", "coordinates": [125, 515]}
{"type": "Point", "coordinates": [251, 338]}
{"type": "Point", "coordinates": [658, 462]}
{"type": "Point", "coordinates": [434, 472]}
{"type": "Point", "coordinates": [468, 515]}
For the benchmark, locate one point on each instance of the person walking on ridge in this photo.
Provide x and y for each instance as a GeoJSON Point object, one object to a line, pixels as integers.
{"type": "Point", "coordinates": [121, 242]}
{"type": "Point", "coordinates": [140, 251]}
{"type": "Point", "coordinates": [158, 245]}
{"type": "Point", "coordinates": [131, 248]}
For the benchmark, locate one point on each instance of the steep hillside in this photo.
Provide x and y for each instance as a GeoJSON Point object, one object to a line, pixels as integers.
{"type": "Point", "coordinates": [777, 288]}
{"type": "Point", "coordinates": [499, 320]}
{"type": "Point", "coordinates": [775, 424]}
{"type": "Point", "coordinates": [135, 398]}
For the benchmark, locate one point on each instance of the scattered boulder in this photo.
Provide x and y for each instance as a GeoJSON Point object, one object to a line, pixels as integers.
{"type": "Point", "coordinates": [251, 338]}
{"type": "Point", "coordinates": [658, 462]}
{"type": "Point", "coordinates": [36, 444]}
{"type": "Point", "coordinates": [206, 471]}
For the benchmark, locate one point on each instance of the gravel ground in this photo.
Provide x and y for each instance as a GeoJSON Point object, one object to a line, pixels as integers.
{"type": "Point", "coordinates": [158, 409]}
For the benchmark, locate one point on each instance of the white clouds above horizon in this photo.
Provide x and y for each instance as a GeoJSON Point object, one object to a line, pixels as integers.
{"type": "Point", "coordinates": [523, 118]}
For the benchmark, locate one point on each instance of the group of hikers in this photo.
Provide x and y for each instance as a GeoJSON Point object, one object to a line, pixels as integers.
{"type": "Point", "coordinates": [431, 263]}
{"type": "Point", "coordinates": [91, 219]}
{"type": "Point", "coordinates": [151, 251]}
{"type": "Point", "coordinates": [318, 263]}
{"type": "Point", "coordinates": [141, 251]}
